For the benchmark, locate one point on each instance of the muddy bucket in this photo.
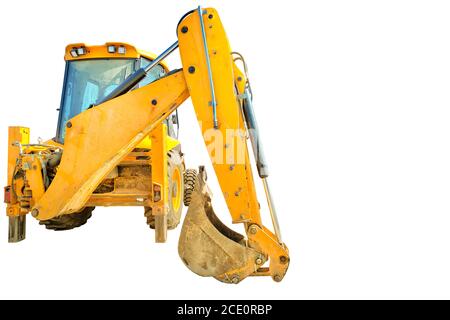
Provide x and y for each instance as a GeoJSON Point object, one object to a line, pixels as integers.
{"type": "Point", "coordinates": [208, 247]}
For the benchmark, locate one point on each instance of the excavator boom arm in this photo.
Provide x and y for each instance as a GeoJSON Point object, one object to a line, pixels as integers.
{"type": "Point", "coordinates": [216, 86]}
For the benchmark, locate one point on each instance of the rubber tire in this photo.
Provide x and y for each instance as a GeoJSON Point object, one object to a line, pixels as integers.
{"type": "Point", "coordinates": [175, 162]}
{"type": "Point", "coordinates": [68, 221]}
{"type": "Point", "coordinates": [189, 177]}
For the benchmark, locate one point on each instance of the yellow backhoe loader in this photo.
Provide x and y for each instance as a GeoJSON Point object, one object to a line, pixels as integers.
{"type": "Point", "coordinates": [116, 145]}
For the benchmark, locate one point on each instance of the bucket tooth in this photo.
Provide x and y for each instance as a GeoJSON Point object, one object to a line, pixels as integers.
{"type": "Point", "coordinates": [208, 247]}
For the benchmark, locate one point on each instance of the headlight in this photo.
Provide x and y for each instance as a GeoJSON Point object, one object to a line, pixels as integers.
{"type": "Point", "coordinates": [111, 49]}
{"type": "Point", "coordinates": [121, 50]}
{"type": "Point", "coordinates": [81, 51]}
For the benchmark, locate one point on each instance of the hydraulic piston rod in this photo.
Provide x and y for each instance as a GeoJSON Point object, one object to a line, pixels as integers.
{"type": "Point", "coordinates": [208, 65]}
{"type": "Point", "coordinates": [261, 163]}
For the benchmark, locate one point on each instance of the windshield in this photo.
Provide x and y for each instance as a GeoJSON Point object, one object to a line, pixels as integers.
{"type": "Point", "coordinates": [88, 81]}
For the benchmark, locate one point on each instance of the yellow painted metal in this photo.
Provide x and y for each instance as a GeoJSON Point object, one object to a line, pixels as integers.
{"type": "Point", "coordinates": [263, 240]}
{"type": "Point", "coordinates": [16, 134]}
{"type": "Point", "coordinates": [227, 145]}
{"type": "Point", "coordinates": [97, 139]}
{"type": "Point", "coordinates": [230, 157]}
{"type": "Point", "coordinates": [147, 143]}
{"type": "Point", "coordinates": [160, 186]}
{"type": "Point", "coordinates": [239, 78]}
{"type": "Point", "coordinates": [33, 172]}
{"type": "Point", "coordinates": [101, 52]}
{"type": "Point", "coordinates": [177, 194]}
{"type": "Point", "coordinates": [116, 199]}
{"type": "Point", "coordinates": [52, 142]}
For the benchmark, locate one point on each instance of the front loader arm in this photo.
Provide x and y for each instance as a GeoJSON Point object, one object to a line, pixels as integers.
{"type": "Point", "coordinates": [99, 138]}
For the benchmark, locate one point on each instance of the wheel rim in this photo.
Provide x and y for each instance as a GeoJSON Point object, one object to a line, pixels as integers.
{"type": "Point", "coordinates": [176, 189]}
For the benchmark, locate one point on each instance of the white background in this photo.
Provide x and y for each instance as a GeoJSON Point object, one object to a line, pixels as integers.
{"type": "Point", "coordinates": [353, 102]}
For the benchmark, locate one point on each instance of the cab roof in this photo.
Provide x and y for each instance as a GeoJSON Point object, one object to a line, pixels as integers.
{"type": "Point", "coordinates": [82, 51]}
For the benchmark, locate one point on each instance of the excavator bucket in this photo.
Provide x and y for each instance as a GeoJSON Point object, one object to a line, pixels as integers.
{"type": "Point", "coordinates": [208, 247]}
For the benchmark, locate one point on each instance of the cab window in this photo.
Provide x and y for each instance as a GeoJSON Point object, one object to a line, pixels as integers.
{"type": "Point", "coordinates": [154, 74]}
{"type": "Point", "coordinates": [86, 82]}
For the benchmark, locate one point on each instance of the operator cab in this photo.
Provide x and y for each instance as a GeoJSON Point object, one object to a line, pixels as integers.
{"type": "Point", "coordinates": [92, 72]}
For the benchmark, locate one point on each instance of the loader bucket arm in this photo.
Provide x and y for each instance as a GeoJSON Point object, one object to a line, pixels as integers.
{"type": "Point", "coordinates": [99, 138]}
{"type": "Point", "coordinates": [214, 83]}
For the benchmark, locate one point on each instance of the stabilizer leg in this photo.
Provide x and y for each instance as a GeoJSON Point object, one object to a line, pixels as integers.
{"type": "Point", "coordinates": [17, 136]}
{"type": "Point", "coordinates": [159, 182]}
{"type": "Point", "coordinates": [17, 228]}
